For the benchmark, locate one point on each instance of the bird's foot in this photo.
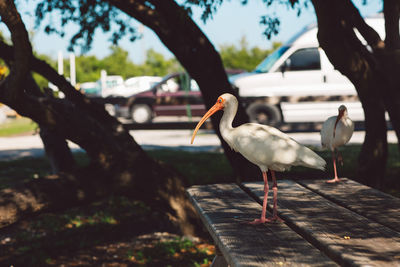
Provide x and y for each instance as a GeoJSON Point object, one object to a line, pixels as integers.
{"type": "Point", "coordinates": [258, 221]}
{"type": "Point", "coordinates": [333, 181]}
{"type": "Point", "coordinates": [266, 220]}
{"type": "Point", "coordinates": [275, 218]}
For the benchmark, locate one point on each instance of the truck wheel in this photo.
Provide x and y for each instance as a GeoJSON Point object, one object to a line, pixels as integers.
{"type": "Point", "coordinates": [141, 113]}
{"type": "Point", "coordinates": [264, 114]}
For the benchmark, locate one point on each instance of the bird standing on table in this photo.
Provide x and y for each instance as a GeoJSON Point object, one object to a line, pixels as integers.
{"type": "Point", "coordinates": [265, 146]}
{"type": "Point", "coordinates": [336, 131]}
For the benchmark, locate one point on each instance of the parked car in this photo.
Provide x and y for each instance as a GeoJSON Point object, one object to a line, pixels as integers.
{"type": "Point", "coordinates": [90, 88]}
{"type": "Point", "coordinates": [297, 83]}
{"type": "Point", "coordinates": [109, 83]}
{"type": "Point", "coordinates": [102, 86]}
{"type": "Point", "coordinates": [176, 95]}
{"type": "Point", "coordinates": [132, 86]}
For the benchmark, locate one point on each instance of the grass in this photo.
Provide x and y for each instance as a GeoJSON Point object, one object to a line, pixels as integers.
{"type": "Point", "coordinates": [120, 230]}
{"type": "Point", "coordinates": [199, 168]}
{"type": "Point", "coordinates": [179, 251]}
{"type": "Point", "coordinates": [208, 167]}
{"type": "Point", "coordinates": [19, 126]}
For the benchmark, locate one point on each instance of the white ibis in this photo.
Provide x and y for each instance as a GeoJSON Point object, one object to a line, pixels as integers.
{"type": "Point", "coordinates": [336, 131]}
{"type": "Point", "coordinates": [265, 146]}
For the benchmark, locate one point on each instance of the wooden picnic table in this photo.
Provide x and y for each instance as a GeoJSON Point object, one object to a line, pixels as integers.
{"type": "Point", "coordinates": [347, 224]}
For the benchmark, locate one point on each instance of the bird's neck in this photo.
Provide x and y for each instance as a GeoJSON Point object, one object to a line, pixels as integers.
{"type": "Point", "coordinates": [225, 125]}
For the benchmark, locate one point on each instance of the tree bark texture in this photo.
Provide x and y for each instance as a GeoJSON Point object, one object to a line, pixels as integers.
{"type": "Point", "coordinates": [373, 71]}
{"type": "Point", "coordinates": [23, 50]}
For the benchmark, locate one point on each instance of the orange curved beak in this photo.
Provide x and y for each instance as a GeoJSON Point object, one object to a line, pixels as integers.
{"type": "Point", "coordinates": [210, 112]}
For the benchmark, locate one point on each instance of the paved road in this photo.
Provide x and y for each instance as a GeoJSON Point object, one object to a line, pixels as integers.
{"type": "Point", "coordinates": [16, 147]}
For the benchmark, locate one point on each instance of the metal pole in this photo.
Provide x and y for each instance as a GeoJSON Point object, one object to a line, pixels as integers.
{"type": "Point", "coordinates": [72, 69]}
{"type": "Point", "coordinates": [60, 63]}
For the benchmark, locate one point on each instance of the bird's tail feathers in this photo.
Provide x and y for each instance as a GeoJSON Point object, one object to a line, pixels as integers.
{"type": "Point", "coordinates": [312, 160]}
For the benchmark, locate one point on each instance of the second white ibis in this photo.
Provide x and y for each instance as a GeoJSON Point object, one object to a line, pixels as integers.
{"type": "Point", "coordinates": [265, 146]}
{"type": "Point", "coordinates": [336, 131]}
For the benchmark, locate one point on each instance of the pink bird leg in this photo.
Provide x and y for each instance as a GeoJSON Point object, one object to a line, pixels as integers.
{"type": "Point", "coordinates": [336, 179]}
{"type": "Point", "coordinates": [274, 217]}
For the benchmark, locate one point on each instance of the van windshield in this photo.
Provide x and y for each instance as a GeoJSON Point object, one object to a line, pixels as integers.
{"type": "Point", "coordinates": [267, 63]}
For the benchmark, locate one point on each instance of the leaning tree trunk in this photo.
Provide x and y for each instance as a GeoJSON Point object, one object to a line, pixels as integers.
{"type": "Point", "coordinates": [57, 151]}
{"type": "Point", "coordinates": [118, 164]}
{"type": "Point", "coordinates": [56, 147]}
{"type": "Point", "coordinates": [336, 20]}
{"type": "Point", "coordinates": [390, 62]}
{"type": "Point", "coordinates": [194, 51]}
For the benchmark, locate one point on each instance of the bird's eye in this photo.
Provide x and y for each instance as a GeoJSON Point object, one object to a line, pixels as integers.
{"type": "Point", "coordinates": [220, 100]}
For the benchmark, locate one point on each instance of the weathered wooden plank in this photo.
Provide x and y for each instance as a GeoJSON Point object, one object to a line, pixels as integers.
{"type": "Point", "coordinates": [348, 238]}
{"type": "Point", "coordinates": [225, 210]}
{"type": "Point", "coordinates": [362, 199]}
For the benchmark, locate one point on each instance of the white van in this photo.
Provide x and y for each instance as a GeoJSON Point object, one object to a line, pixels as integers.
{"type": "Point", "coordinates": [297, 83]}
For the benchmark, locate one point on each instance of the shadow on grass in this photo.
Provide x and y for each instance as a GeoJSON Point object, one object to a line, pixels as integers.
{"type": "Point", "coordinates": [106, 232]}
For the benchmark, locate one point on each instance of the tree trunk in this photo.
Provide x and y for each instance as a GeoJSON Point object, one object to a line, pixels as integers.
{"type": "Point", "coordinates": [198, 56]}
{"type": "Point", "coordinates": [118, 164]}
{"type": "Point", "coordinates": [336, 36]}
{"type": "Point", "coordinates": [55, 146]}
{"type": "Point", "coordinates": [57, 151]}
{"type": "Point", "coordinates": [390, 61]}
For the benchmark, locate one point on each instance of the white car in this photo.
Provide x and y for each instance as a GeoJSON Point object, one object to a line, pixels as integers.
{"type": "Point", "coordinates": [133, 86]}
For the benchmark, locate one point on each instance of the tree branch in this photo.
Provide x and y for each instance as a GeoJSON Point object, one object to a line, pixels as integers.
{"type": "Point", "coordinates": [368, 33]}
{"type": "Point", "coordinates": [12, 86]}
{"type": "Point", "coordinates": [391, 10]}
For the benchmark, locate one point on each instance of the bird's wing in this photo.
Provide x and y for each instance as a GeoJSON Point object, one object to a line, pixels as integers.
{"type": "Point", "coordinates": [267, 146]}
{"type": "Point", "coordinates": [327, 132]}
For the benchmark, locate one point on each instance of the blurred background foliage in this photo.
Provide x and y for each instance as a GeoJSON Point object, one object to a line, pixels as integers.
{"type": "Point", "coordinates": [241, 56]}
{"type": "Point", "coordinates": [234, 56]}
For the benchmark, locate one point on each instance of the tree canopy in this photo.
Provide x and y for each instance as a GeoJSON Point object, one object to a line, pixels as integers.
{"type": "Point", "coordinates": [242, 56]}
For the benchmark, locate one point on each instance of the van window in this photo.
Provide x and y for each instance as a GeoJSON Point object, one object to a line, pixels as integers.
{"type": "Point", "coordinates": [304, 59]}
{"type": "Point", "coordinates": [269, 61]}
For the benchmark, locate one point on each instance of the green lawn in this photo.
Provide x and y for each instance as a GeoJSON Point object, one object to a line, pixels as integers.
{"type": "Point", "coordinates": [18, 126]}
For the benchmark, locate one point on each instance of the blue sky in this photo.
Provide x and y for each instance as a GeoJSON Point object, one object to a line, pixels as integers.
{"type": "Point", "coordinates": [232, 22]}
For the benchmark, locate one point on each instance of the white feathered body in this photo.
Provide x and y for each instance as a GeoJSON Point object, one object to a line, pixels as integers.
{"type": "Point", "coordinates": [344, 131]}
{"type": "Point", "coordinates": [270, 148]}
{"type": "Point", "coordinates": [265, 146]}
